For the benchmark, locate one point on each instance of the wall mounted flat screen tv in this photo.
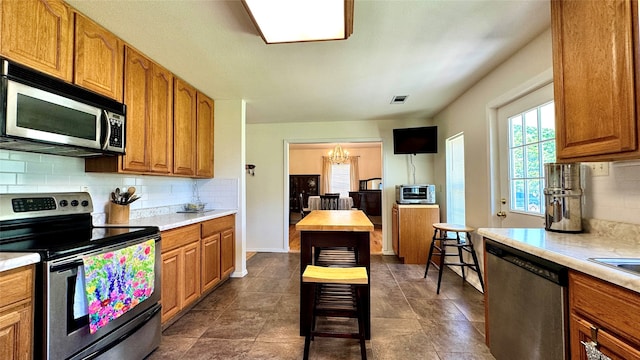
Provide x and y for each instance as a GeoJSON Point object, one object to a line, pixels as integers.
{"type": "Point", "coordinates": [420, 140]}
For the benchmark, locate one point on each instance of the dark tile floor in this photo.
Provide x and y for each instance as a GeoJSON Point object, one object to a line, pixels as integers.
{"type": "Point", "coordinates": [256, 317]}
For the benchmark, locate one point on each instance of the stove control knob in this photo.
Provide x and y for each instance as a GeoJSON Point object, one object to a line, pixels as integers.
{"type": "Point", "coordinates": [64, 203]}
{"type": "Point", "coordinates": [84, 203]}
{"type": "Point", "coordinates": [74, 203]}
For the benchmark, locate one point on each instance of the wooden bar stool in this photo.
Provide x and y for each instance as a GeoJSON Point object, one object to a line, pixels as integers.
{"type": "Point", "coordinates": [338, 293]}
{"type": "Point", "coordinates": [440, 234]}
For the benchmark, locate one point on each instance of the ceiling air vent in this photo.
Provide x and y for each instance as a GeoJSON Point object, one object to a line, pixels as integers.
{"type": "Point", "coordinates": [399, 99]}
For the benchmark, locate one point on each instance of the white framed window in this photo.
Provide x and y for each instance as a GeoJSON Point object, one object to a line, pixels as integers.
{"type": "Point", "coordinates": [531, 144]}
{"type": "Point", "coordinates": [340, 179]}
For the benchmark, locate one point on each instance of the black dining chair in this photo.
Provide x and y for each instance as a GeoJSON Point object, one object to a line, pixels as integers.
{"type": "Point", "coordinates": [329, 202]}
{"type": "Point", "coordinates": [334, 256]}
{"type": "Point", "coordinates": [304, 210]}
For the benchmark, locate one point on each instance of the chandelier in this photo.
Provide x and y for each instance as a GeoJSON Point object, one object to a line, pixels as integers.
{"type": "Point", "coordinates": [338, 156]}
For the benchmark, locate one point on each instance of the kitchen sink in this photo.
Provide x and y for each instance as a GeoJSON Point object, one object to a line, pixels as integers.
{"type": "Point", "coordinates": [631, 265]}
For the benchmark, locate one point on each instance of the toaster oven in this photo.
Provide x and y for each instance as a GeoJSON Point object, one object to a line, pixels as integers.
{"type": "Point", "coordinates": [416, 194]}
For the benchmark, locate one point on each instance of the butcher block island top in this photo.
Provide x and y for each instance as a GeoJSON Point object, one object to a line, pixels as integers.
{"type": "Point", "coordinates": [335, 220]}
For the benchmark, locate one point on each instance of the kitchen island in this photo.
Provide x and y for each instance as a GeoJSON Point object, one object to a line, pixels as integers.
{"type": "Point", "coordinates": [329, 228]}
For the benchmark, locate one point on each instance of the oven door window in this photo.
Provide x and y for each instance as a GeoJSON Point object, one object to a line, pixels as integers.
{"type": "Point", "coordinates": [41, 115]}
{"type": "Point", "coordinates": [77, 308]}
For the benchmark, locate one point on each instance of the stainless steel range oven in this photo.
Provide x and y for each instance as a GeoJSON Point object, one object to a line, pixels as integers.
{"type": "Point", "coordinates": [59, 227]}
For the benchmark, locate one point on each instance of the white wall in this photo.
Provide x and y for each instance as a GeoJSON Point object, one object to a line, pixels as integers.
{"type": "Point", "coordinates": [267, 198]}
{"type": "Point", "coordinates": [309, 161]}
{"type": "Point", "coordinates": [229, 160]}
{"type": "Point", "coordinates": [614, 198]}
{"type": "Point", "coordinates": [468, 114]}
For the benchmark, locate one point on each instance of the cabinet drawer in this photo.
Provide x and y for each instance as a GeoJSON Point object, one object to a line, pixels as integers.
{"type": "Point", "coordinates": [16, 285]}
{"type": "Point", "coordinates": [608, 306]}
{"type": "Point", "coordinates": [213, 226]}
{"type": "Point", "coordinates": [174, 238]}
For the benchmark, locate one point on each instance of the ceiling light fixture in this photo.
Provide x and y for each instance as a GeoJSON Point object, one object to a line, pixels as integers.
{"type": "Point", "coordinates": [338, 156]}
{"type": "Point", "coordinates": [284, 21]}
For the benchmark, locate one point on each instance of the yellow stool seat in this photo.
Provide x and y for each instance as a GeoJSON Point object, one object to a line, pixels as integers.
{"type": "Point", "coordinates": [338, 293]}
{"type": "Point", "coordinates": [331, 275]}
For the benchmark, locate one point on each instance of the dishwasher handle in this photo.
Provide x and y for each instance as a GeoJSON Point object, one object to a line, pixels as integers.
{"type": "Point", "coordinates": [544, 268]}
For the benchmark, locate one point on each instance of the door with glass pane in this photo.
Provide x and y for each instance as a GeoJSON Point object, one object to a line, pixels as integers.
{"type": "Point", "coordinates": [526, 142]}
{"type": "Point", "coordinates": [455, 180]}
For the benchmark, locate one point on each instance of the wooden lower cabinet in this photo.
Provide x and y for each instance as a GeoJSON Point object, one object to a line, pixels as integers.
{"type": "Point", "coordinates": [224, 228]}
{"type": "Point", "coordinates": [210, 262]}
{"type": "Point", "coordinates": [191, 273]}
{"type": "Point", "coordinates": [412, 231]}
{"type": "Point", "coordinates": [180, 269]}
{"type": "Point", "coordinates": [607, 312]}
{"type": "Point", "coordinates": [228, 251]}
{"type": "Point", "coordinates": [609, 344]}
{"type": "Point", "coordinates": [172, 269]}
{"type": "Point", "coordinates": [195, 259]}
{"type": "Point", "coordinates": [16, 313]}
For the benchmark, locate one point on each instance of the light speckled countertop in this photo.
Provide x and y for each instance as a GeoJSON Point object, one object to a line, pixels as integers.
{"type": "Point", "coordinates": [175, 220]}
{"type": "Point", "coordinates": [574, 251]}
{"type": "Point", "coordinates": [10, 261]}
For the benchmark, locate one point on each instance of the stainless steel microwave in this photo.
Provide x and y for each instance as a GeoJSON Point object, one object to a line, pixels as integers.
{"type": "Point", "coordinates": [416, 194]}
{"type": "Point", "coordinates": [43, 114]}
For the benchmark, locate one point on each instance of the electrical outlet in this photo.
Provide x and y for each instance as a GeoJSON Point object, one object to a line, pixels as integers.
{"type": "Point", "coordinates": [599, 168]}
{"type": "Point", "coordinates": [84, 188]}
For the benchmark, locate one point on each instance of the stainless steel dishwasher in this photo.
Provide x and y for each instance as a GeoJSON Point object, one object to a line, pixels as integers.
{"type": "Point", "coordinates": [527, 305]}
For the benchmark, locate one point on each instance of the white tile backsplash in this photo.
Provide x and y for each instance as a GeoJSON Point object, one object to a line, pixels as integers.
{"type": "Point", "coordinates": [12, 166]}
{"type": "Point", "coordinates": [615, 197]}
{"type": "Point", "coordinates": [22, 172]}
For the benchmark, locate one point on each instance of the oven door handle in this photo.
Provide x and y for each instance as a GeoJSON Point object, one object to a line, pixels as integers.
{"type": "Point", "coordinates": [101, 351]}
{"type": "Point", "coordinates": [67, 266]}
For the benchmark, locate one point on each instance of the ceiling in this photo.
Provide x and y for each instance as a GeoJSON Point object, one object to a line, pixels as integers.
{"type": "Point", "coordinates": [430, 50]}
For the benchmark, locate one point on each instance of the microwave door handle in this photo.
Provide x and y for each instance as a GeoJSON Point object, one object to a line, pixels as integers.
{"type": "Point", "coordinates": [105, 123]}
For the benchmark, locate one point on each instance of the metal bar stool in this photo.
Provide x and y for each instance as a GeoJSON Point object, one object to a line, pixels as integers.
{"type": "Point", "coordinates": [440, 234]}
{"type": "Point", "coordinates": [338, 293]}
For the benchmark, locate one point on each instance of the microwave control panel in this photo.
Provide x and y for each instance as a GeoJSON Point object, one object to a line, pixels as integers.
{"type": "Point", "coordinates": [116, 137]}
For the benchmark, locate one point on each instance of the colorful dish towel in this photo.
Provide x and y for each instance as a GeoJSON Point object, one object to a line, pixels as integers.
{"type": "Point", "coordinates": [117, 281]}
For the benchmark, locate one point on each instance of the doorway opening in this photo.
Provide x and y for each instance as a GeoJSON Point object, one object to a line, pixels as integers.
{"type": "Point", "coordinates": [310, 175]}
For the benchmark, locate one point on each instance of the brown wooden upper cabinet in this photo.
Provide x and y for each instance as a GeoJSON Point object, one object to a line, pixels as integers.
{"type": "Point", "coordinates": [148, 94]}
{"type": "Point", "coordinates": [38, 34]}
{"type": "Point", "coordinates": [204, 137]}
{"type": "Point", "coordinates": [99, 58]}
{"type": "Point", "coordinates": [169, 123]}
{"type": "Point", "coordinates": [192, 131]}
{"type": "Point", "coordinates": [149, 99]}
{"type": "Point", "coordinates": [184, 128]}
{"type": "Point", "coordinates": [596, 71]}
